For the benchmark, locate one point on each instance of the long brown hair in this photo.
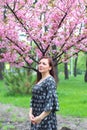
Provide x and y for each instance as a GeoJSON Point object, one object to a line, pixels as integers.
{"type": "Point", "coordinates": [52, 71]}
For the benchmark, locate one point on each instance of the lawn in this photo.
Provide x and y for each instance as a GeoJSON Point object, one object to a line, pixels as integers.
{"type": "Point", "coordinates": [72, 95]}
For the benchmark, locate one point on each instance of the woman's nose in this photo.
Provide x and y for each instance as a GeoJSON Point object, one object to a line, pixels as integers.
{"type": "Point", "coordinates": [41, 65]}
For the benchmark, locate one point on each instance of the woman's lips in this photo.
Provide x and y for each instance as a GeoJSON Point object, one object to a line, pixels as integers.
{"type": "Point", "coordinates": [40, 68]}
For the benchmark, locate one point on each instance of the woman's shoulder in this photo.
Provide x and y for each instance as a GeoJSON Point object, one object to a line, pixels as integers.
{"type": "Point", "coordinates": [51, 78]}
{"type": "Point", "coordinates": [50, 83]}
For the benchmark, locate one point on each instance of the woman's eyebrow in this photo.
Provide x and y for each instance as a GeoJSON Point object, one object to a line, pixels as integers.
{"type": "Point", "coordinates": [44, 63]}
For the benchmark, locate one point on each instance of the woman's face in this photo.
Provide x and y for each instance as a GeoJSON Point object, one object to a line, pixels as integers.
{"type": "Point", "coordinates": [43, 66]}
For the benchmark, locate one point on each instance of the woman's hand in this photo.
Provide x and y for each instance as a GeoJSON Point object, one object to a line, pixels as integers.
{"type": "Point", "coordinates": [37, 119]}
{"type": "Point", "coordinates": [31, 117]}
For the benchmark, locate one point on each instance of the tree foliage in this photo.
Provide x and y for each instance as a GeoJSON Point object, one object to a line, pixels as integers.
{"type": "Point", "coordinates": [50, 27]}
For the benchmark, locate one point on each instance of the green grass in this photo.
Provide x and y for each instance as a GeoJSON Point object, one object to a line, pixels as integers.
{"type": "Point", "coordinates": [72, 96]}
{"type": "Point", "coordinates": [8, 127]}
{"type": "Point", "coordinates": [20, 101]}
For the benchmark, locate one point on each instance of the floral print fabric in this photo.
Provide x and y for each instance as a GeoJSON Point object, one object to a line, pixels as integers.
{"type": "Point", "coordinates": [44, 98]}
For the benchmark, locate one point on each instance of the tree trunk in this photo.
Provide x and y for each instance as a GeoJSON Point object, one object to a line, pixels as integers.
{"type": "Point", "coordinates": [85, 77]}
{"type": "Point", "coordinates": [56, 73]}
{"type": "Point", "coordinates": [56, 67]}
{"type": "Point", "coordinates": [1, 70]}
{"type": "Point", "coordinates": [75, 66]}
{"type": "Point", "coordinates": [66, 71]}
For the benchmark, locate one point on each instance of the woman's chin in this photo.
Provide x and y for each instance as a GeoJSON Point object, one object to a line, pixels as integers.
{"type": "Point", "coordinates": [40, 71]}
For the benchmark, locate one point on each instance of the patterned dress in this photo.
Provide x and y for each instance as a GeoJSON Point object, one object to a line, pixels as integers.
{"type": "Point", "coordinates": [44, 98]}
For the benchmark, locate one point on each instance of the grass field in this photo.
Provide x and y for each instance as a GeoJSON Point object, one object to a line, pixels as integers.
{"type": "Point", "coordinates": [72, 96]}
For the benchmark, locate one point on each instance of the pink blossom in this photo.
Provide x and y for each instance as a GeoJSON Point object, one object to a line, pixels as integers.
{"type": "Point", "coordinates": [63, 26]}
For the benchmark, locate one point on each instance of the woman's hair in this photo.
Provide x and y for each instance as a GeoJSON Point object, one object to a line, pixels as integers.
{"type": "Point", "coordinates": [52, 71]}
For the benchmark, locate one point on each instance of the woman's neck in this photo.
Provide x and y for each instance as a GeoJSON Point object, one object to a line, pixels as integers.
{"type": "Point", "coordinates": [44, 75]}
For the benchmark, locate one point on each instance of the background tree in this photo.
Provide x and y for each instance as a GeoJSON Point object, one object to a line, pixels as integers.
{"type": "Point", "coordinates": [85, 76]}
{"type": "Point", "coordinates": [75, 65]}
{"type": "Point", "coordinates": [2, 64]}
{"type": "Point", "coordinates": [61, 18]}
{"type": "Point", "coordinates": [76, 58]}
{"type": "Point", "coordinates": [1, 70]}
{"type": "Point", "coordinates": [66, 73]}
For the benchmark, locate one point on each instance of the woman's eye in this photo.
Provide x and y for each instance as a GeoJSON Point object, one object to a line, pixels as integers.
{"type": "Point", "coordinates": [44, 63]}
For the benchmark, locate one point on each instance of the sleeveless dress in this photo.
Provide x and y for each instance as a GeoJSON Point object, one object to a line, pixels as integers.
{"type": "Point", "coordinates": [44, 98]}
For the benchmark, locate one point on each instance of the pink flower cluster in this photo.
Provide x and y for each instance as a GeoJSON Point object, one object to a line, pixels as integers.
{"type": "Point", "coordinates": [45, 24]}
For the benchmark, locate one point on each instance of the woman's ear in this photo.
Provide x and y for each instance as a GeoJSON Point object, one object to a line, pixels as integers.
{"type": "Point", "coordinates": [50, 68]}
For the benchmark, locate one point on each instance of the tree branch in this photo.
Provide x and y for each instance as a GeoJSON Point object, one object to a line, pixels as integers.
{"type": "Point", "coordinates": [57, 54]}
{"type": "Point", "coordinates": [24, 27]}
{"type": "Point", "coordinates": [62, 20]}
{"type": "Point", "coordinates": [26, 67]}
{"type": "Point", "coordinates": [21, 49]}
{"type": "Point", "coordinates": [57, 59]}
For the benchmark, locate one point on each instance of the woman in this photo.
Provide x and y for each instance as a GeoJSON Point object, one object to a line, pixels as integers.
{"type": "Point", "coordinates": [44, 101]}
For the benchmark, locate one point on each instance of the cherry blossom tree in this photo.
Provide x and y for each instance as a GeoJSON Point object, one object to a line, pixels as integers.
{"type": "Point", "coordinates": [49, 27]}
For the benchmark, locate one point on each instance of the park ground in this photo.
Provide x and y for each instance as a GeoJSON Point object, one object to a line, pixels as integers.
{"type": "Point", "coordinates": [16, 118]}
{"type": "Point", "coordinates": [73, 107]}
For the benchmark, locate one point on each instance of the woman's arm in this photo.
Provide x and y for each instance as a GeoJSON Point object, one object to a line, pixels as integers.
{"type": "Point", "coordinates": [44, 114]}
{"type": "Point", "coordinates": [31, 116]}
{"type": "Point", "coordinates": [30, 111]}
{"type": "Point", "coordinates": [39, 118]}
